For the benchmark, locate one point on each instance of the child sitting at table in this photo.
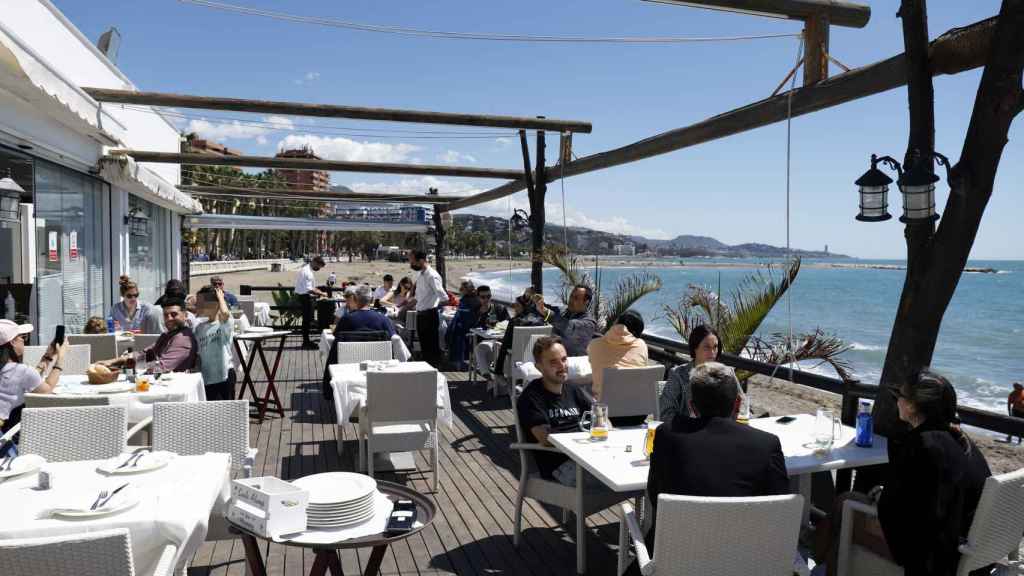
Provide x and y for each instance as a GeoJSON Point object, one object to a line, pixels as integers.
{"type": "Point", "coordinates": [213, 331]}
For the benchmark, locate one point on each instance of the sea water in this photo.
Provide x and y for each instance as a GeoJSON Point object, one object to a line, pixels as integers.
{"type": "Point", "coordinates": [980, 346]}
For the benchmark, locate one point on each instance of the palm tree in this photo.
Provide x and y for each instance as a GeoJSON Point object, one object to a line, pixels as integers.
{"type": "Point", "coordinates": [607, 310]}
{"type": "Point", "coordinates": [738, 321]}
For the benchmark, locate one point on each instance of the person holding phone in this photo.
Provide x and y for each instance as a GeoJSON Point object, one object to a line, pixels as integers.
{"type": "Point", "coordinates": [16, 378]}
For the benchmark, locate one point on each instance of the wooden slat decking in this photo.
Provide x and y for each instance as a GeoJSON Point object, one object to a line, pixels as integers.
{"type": "Point", "coordinates": [477, 483]}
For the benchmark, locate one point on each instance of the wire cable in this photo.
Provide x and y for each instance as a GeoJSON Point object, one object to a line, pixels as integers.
{"type": "Point", "coordinates": [406, 31]}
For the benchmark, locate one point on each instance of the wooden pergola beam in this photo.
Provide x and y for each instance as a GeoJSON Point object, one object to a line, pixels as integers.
{"type": "Point", "coordinates": [333, 111]}
{"type": "Point", "coordinates": [841, 13]}
{"type": "Point", "coordinates": [314, 164]}
{"type": "Point", "coordinates": [955, 51]}
{"type": "Point", "coordinates": [327, 195]}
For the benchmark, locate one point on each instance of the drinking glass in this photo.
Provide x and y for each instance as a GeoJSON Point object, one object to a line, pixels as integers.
{"type": "Point", "coordinates": [142, 383]}
{"type": "Point", "coordinates": [596, 422]}
{"type": "Point", "coordinates": [743, 415]}
{"type": "Point", "coordinates": [652, 428]}
{"type": "Point", "coordinates": [824, 429]}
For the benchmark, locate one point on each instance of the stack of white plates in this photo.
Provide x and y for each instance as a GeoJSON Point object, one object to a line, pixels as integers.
{"type": "Point", "coordinates": [338, 499]}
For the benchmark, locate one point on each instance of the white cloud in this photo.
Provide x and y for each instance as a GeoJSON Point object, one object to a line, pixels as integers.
{"type": "Point", "coordinates": [343, 149]}
{"type": "Point", "coordinates": [307, 78]}
{"type": "Point", "coordinates": [238, 130]}
{"type": "Point", "coordinates": [454, 157]}
{"type": "Point", "coordinates": [502, 142]}
{"type": "Point", "coordinates": [280, 122]}
{"type": "Point", "coordinates": [418, 185]}
{"type": "Point", "coordinates": [573, 217]}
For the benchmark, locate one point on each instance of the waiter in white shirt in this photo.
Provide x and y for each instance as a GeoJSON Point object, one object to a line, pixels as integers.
{"type": "Point", "coordinates": [305, 287]}
{"type": "Point", "coordinates": [429, 296]}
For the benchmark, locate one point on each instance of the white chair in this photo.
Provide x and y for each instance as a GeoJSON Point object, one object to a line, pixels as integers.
{"type": "Point", "coordinates": [248, 306]}
{"type": "Point", "coordinates": [400, 414]}
{"type": "Point", "coordinates": [139, 342]}
{"type": "Point", "coordinates": [631, 391]}
{"type": "Point", "coordinates": [100, 553]}
{"type": "Point", "coordinates": [410, 328]}
{"type": "Point", "coordinates": [355, 352]}
{"type": "Point", "coordinates": [76, 358]}
{"type": "Point", "coordinates": [995, 533]}
{"type": "Point", "coordinates": [720, 536]}
{"type": "Point", "coordinates": [521, 350]}
{"type": "Point", "coordinates": [533, 485]}
{"type": "Point", "coordinates": [76, 433]}
{"type": "Point", "coordinates": [193, 428]}
{"type": "Point", "coordinates": [64, 401]}
{"type": "Point", "coordinates": [104, 346]}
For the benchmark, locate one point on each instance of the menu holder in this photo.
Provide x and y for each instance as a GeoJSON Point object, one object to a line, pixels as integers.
{"type": "Point", "coordinates": [268, 507]}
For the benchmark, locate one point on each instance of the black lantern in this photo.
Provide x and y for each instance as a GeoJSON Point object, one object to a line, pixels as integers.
{"type": "Point", "coordinates": [10, 197]}
{"type": "Point", "coordinates": [137, 222]}
{"type": "Point", "coordinates": [874, 191]}
{"type": "Point", "coordinates": [520, 219]}
{"type": "Point", "coordinates": [918, 187]}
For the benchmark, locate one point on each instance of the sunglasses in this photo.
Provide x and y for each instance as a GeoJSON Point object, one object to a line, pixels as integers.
{"type": "Point", "coordinates": [132, 296]}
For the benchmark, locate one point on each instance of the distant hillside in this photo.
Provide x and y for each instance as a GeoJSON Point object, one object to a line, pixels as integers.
{"type": "Point", "coordinates": [492, 232]}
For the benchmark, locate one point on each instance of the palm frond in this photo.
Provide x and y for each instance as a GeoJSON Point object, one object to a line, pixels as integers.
{"type": "Point", "coordinates": [571, 268]}
{"type": "Point", "coordinates": [752, 300]}
{"type": "Point", "coordinates": [629, 290]}
{"type": "Point", "coordinates": [818, 345]}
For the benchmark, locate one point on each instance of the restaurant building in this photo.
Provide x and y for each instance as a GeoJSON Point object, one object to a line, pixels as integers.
{"type": "Point", "coordinates": [81, 221]}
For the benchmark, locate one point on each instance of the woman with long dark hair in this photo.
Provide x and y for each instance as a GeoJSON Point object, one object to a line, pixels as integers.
{"type": "Point", "coordinates": [16, 378]}
{"type": "Point", "coordinates": [704, 346]}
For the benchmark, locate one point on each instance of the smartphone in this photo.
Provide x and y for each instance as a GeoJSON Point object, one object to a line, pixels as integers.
{"type": "Point", "coordinates": [785, 419]}
{"type": "Point", "coordinates": [403, 516]}
{"type": "Point", "coordinates": [58, 337]}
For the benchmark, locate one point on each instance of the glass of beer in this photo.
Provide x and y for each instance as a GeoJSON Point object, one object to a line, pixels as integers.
{"type": "Point", "coordinates": [652, 427]}
{"type": "Point", "coordinates": [596, 422]}
{"type": "Point", "coordinates": [142, 383]}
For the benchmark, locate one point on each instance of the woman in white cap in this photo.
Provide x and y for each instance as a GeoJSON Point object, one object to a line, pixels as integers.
{"type": "Point", "coordinates": [16, 378]}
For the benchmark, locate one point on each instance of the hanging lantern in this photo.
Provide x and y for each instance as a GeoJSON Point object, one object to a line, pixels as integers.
{"type": "Point", "coordinates": [874, 192]}
{"type": "Point", "coordinates": [918, 187]}
{"type": "Point", "coordinates": [138, 223]}
{"type": "Point", "coordinates": [10, 197]}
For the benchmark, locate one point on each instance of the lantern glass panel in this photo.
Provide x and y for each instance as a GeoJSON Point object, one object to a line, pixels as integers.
{"type": "Point", "coordinates": [918, 201]}
{"type": "Point", "coordinates": [9, 205]}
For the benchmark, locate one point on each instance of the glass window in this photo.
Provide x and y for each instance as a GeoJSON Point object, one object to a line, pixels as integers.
{"type": "Point", "coordinates": [148, 246]}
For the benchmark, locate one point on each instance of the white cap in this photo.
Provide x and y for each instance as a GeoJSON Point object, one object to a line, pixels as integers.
{"type": "Point", "coordinates": [8, 330]}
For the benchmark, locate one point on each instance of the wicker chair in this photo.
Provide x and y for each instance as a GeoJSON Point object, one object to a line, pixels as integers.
{"type": "Point", "coordinates": [104, 346]}
{"type": "Point", "coordinates": [139, 343]}
{"type": "Point", "coordinates": [76, 433]}
{"type": "Point", "coordinates": [101, 553]}
{"type": "Point", "coordinates": [994, 535]}
{"type": "Point", "coordinates": [65, 401]}
{"type": "Point", "coordinates": [520, 351]}
{"type": "Point", "coordinates": [355, 352]}
{"type": "Point", "coordinates": [400, 415]}
{"type": "Point", "coordinates": [76, 359]}
{"type": "Point", "coordinates": [192, 428]}
{"type": "Point", "coordinates": [722, 536]}
{"type": "Point", "coordinates": [631, 391]}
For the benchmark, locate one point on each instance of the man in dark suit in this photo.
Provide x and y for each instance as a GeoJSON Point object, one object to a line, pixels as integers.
{"type": "Point", "coordinates": [711, 454]}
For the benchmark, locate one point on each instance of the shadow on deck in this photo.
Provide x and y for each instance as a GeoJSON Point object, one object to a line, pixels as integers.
{"type": "Point", "coordinates": [477, 484]}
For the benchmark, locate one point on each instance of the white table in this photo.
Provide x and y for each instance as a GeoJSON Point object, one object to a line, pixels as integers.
{"type": "Point", "coordinates": [172, 387]}
{"type": "Point", "coordinates": [579, 370]}
{"type": "Point", "coordinates": [349, 384]}
{"type": "Point", "coordinates": [399, 350]}
{"type": "Point", "coordinates": [262, 312]}
{"type": "Point", "coordinates": [623, 471]}
{"type": "Point", "coordinates": [174, 507]}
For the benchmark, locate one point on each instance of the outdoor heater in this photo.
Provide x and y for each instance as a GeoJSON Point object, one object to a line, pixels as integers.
{"type": "Point", "coordinates": [917, 184]}
{"type": "Point", "coordinates": [10, 197]}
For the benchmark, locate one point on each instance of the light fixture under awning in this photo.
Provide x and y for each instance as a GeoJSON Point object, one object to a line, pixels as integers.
{"type": "Point", "coordinates": [238, 222]}
{"type": "Point", "coordinates": [148, 185]}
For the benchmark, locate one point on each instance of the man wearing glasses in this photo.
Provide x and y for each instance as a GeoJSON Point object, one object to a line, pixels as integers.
{"type": "Point", "coordinates": [218, 284]}
{"type": "Point", "coordinates": [490, 314]}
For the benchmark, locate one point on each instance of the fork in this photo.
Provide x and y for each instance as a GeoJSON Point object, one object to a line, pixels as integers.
{"type": "Point", "coordinates": [103, 494]}
{"type": "Point", "coordinates": [7, 463]}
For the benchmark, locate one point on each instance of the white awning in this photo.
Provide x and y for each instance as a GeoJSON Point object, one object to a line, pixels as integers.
{"type": "Point", "coordinates": [237, 222]}
{"type": "Point", "coordinates": [148, 185]}
{"type": "Point", "coordinates": [26, 75]}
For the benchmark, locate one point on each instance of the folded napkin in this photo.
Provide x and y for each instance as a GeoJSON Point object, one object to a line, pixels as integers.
{"type": "Point", "coordinates": [146, 460]}
{"type": "Point", "coordinates": [78, 499]}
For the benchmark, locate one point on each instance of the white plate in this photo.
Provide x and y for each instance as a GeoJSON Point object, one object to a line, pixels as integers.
{"type": "Point", "coordinates": [342, 523]}
{"type": "Point", "coordinates": [339, 515]}
{"type": "Point", "coordinates": [332, 488]}
{"type": "Point", "coordinates": [112, 388]}
{"type": "Point", "coordinates": [146, 463]}
{"type": "Point", "coordinates": [23, 465]}
{"type": "Point", "coordinates": [121, 501]}
{"type": "Point", "coordinates": [259, 330]}
{"type": "Point", "coordinates": [339, 506]}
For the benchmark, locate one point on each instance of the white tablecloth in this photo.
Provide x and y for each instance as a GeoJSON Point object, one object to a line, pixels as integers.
{"type": "Point", "coordinates": [174, 507]}
{"type": "Point", "coordinates": [262, 312]}
{"type": "Point", "coordinates": [579, 369]}
{"type": "Point", "coordinates": [399, 349]}
{"type": "Point", "coordinates": [349, 385]}
{"type": "Point", "coordinates": [173, 387]}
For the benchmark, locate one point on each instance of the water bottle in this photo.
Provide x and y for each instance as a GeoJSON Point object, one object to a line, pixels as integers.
{"type": "Point", "coordinates": [129, 366]}
{"type": "Point", "coordinates": [864, 424]}
{"type": "Point", "coordinates": [110, 324]}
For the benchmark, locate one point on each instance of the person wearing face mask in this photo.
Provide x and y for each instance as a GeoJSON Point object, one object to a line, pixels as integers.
{"type": "Point", "coordinates": [175, 350]}
{"type": "Point", "coordinates": [428, 297]}
{"type": "Point", "coordinates": [214, 335]}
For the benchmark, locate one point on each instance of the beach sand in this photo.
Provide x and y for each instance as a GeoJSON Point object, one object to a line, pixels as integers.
{"type": "Point", "coordinates": [775, 396]}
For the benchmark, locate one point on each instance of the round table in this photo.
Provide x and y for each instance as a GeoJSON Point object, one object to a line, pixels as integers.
{"type": "Point", "coordinates": [327, 554]}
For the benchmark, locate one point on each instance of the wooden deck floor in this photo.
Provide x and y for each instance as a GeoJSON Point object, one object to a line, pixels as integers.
{"type": "Point", "coordinates": [477, 483]}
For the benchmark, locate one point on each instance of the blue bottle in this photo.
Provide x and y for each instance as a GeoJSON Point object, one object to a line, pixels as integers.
{"type": "Point", "coordinates": [864, 424]}
{"type": "Point", "coordinates": [110, 324]}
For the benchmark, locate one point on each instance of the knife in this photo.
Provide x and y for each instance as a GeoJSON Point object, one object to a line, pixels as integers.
{"type": "Point", "coordinates": [112, 494]}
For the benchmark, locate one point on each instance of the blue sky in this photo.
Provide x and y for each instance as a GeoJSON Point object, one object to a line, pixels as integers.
{"type": "Point", "coordinates": [732, 189]}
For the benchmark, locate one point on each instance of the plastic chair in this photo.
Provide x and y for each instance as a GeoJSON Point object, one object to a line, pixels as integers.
{"type": "Point", "coordinates": [104, 346]}
{"type": "Point", "coordinates": [76, 433]}
{"type": "Point", "coordinates": [100, 553]}
{"type": "Point", "coordinates": [400, 415]}
{"type": "Point", "coordinates": [193, 428]}
{"type": "Point", "coordinates": [631, 391]}
{"type": "Point", "coordinates": [994, 535]}
{"type": "Point", "coordinates": [721, 536]}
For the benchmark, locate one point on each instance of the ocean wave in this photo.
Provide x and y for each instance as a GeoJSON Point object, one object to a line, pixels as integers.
{"type": "Point", "coordinates": [865, 347]}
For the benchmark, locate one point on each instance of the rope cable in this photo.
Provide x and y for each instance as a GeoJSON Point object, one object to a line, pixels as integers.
{"type": "Point", "coordinates": [406, 31]}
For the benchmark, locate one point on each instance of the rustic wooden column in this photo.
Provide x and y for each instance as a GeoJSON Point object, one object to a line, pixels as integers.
{"type": "Point", "coordinates": [816, 30]}
{"type": "Point", "coordinates": [441, 246]}
{"type": "Point", "coordinates": [537, 218]}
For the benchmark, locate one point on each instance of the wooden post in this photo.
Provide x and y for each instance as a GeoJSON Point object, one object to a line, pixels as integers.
{"type": "Point", "coordinates": [816, 32]}
{"type": "Point", "coordinates": [441, 245]}
{"type": "Point", "coordinates": [935, 261]}
{"type": "Point", "coordinates": [537, 218]}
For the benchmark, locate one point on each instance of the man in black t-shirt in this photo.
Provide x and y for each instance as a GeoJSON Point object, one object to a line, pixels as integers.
{"type": "Point", "coordinates": [549, 404]}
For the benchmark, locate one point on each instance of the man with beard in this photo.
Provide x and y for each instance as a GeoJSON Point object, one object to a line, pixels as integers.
{"type": "Point", "coordinates": [427, 298]}
{"type": "Point", "coordinates": [176, 349]}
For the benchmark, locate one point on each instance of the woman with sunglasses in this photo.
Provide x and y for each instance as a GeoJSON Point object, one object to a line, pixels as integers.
{"type": "Point", "coordinates": [934, 482]}
{"type": "Point", "coordinates": [133, 314]}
